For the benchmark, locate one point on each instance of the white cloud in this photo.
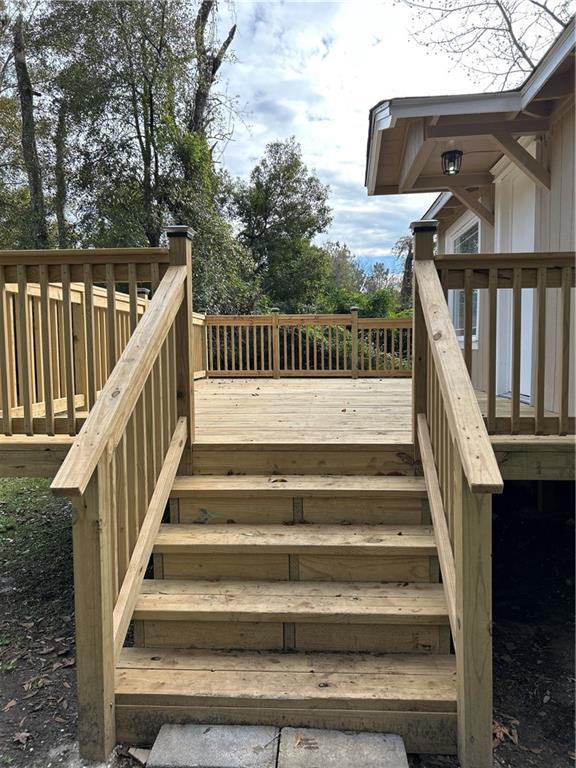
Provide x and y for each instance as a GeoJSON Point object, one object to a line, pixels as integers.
{"type": "Point", "coordinates": [313, 70]}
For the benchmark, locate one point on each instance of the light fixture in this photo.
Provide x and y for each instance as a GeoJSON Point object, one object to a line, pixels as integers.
{"type": "Point", "coordinates": [451, 162]}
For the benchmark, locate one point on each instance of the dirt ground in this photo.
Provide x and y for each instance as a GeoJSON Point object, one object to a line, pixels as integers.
{"type": "Point", "coordinates": [533, 630]}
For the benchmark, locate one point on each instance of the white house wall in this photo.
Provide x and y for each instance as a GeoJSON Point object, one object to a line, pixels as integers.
{"type": "Point", "coordinates": [555, 231]}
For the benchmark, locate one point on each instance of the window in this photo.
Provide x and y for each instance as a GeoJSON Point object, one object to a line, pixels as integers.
{"type": "Point", "coordinates": [465, 242]}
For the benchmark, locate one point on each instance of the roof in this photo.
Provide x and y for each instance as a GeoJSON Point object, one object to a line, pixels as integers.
{"type": "Point", "coordinates": [407, 135]}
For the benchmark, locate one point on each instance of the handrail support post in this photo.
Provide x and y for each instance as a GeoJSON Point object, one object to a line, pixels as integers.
{"type": "Point", "coordinates": [180, 247]}
{"type": "Point", "coordinates": [423, 248]}
{"type": "Point", "coordinates": [275, 342]}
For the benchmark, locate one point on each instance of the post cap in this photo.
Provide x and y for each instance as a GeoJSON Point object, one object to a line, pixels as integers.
{"type": "Point", "coordinates": [275, 309]}
{"type": "Point", "coordinates": [424, 225]}
{"type": "Point", "coordinates": [179, 230]}
{"type": "Point", "coordinates": [354, 309]}
{"type": "Point", "coordinates": [143, 293]}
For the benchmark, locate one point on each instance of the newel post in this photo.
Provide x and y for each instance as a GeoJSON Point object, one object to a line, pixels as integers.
{"type": "Point", "coordinates": [92, 536]}
{"type": "Point", "coordinates": [275, 342]}
{"type": "Point", "coordinates": [423, 246]}
{"type": "Point", "coordinates": [180, 245]}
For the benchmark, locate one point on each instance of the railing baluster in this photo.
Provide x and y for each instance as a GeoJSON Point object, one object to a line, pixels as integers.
{"type": "Point", "coordinates": [111, 316]}
{"type": "Point", "coordinates": [516, 347]}
{"type": "Point", "coordinates": [133, 292]}
{"type": "Point", "coordinates": [565, 327]}
{"type": "Point", "coordinates": [492, 337]}
{"type": "Point", "coordinates": [468, 319]}
{"type": "Point", "coordinates": [23, 343]}
{"type": "Point", "coordinates": [68, 350]}
{"type": "Point", "coordinates": [5, 378]}
{"type": "Point", "coordinates": [541, 277]}
{"type": "Point", "coordinates": [45, 332]}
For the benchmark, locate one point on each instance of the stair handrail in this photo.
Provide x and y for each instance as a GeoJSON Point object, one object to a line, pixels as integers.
{"type": "Point", "coordinates": [464, 415]}
{"type": "Point", "coordinates": [119, 473]}
{"type": "Point", "coordinates": [107, 420]}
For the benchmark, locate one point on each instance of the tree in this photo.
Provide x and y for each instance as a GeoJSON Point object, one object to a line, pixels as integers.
{"type": "Point", "coordinates": [279, 211]}
{"type": "Point", "coordinates": [402, 249]}
{"type": "Point", "coordinates": [496, 41]}
{"type": "Point", "coordinates": [379, 277]}
{"type": "Point", "coordinates": [209, 60]}
{"type": "Point", "coordinates": [28, 133]}
{"type": "Point", "coordinates": [344, 270]}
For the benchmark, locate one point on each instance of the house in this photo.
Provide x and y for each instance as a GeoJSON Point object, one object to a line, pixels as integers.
{"type": "Point", "coordinates": [513, 193]}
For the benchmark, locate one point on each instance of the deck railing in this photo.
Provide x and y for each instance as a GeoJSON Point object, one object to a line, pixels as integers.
{"type": "Point", "coordinates": [315, 345]}
{"type": "Point", "coordinates": [119, 473]}
{"type": "Point", "coordinates": [61, 333]}
{"type": "Point", "coordinates": [461, 474]}
{"type": "Point", "coordinates": [497, 284]}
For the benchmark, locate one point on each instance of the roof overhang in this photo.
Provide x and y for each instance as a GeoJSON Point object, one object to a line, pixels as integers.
{"type": "Point", "coordinates": [408, 135]}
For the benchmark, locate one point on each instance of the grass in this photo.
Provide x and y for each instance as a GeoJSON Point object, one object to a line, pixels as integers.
{"type": "Point", "coordinates": [35, 539]}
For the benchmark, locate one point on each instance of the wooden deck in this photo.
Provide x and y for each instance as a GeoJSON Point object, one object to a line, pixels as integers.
{"type": "Point", "coordinates": [333, 411]}
{"type": "Point", "coordinates": [272, 411]}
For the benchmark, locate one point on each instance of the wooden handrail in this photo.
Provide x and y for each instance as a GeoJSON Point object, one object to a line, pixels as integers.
{"type": "Point", "coordinates": [60, 256]}
{"type": "Point", "coordinates": [462, 409]}
{"type": "Point", "coordinates": [107, 420]}
{"type": "Point", "coordinates": [502, 260]}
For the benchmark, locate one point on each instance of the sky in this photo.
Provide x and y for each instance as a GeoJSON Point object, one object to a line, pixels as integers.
{"type": "Point", "coordinates": [313, 70]}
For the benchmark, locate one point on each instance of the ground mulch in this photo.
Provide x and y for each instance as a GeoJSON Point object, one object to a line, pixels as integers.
{"type": "Point", "coordinates": [533, 631]}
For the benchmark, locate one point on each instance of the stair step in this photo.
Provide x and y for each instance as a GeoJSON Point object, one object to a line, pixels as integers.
{"type": "Point", "coordinates": [291, 601]}
{"type": "Point", "coordinates": [296, 539]}
{"type": "Point", "coordinates": [172, 678]}
{"type": "Point", "coordinates": [412, 695]}
{"type": "Point", "coordinates": [234, 486]}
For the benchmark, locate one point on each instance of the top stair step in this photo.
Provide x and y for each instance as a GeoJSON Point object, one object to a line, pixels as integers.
{"type": "Point", "coordinates": [299, 485]}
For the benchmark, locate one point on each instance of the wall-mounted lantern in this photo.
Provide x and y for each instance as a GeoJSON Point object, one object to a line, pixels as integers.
{"type": "Point", "coordinates": [451, 162]}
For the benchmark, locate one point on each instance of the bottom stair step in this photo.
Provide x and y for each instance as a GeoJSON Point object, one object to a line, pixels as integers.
{"type": "Point", "coordinates": [408, 694]}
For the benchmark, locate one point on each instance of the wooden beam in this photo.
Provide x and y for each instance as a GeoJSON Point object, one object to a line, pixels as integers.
{"type": "Point", "coordinates": [526, 127]}
{"type": "Point", "coordinates": [416, 153]}
{"type": "Point", "coordinates": [516, 153]}
{"type": "Point", "coordinates": [465, 180]}
{"type": "Point", "coordinates": [473, 204]}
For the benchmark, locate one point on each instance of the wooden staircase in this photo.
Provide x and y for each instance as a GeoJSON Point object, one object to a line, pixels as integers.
{"type": "Point", "coordinates": [293, 600]}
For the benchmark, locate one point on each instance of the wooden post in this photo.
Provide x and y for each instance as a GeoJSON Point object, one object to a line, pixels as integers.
{"type": "Point", "coordinates": [423, 238]}
{"type": "Point", "coordinates": [473, 641]}
{"type": "Point", "coordinates": [180, 244]}
{"type": "Point", "coordinates": [354, 313]}
{"type": "Point", "coordinates": [275, 343]}
{"type": "Point", "coordinates": [94, 605]}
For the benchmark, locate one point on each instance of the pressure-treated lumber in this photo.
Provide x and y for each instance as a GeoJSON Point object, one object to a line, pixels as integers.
{"type": "Point", "coordinates": [93, 599]}
{"type": "Point", "coordinates": [463, 412]}
{"type": "Point", "coordinates": [328, 602]}
{"type": "Point", "coordinates": [393, 683]}
{"type": "Point", "coordinates": [143, 549]}
{"type": "Point", "coordinates": [238, 486]}
{"type": "Point", "coordinates": [441, 532]}
{"type": "Point", "coordinates": [108, 418]}
{"type": "Point", "coordinates": [297, 539]}
{"type": "Point", "coordinates": [473, 640]}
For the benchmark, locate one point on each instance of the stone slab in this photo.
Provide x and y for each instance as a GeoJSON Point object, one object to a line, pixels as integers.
{"type": "Point", "coordinates": [312, 748]}
{"type": "Point", "coordinates": [215, 746]}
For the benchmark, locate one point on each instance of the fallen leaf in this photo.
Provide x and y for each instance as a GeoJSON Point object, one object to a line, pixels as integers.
{"type": "Point", "coordinates": [11, 703]}
{"type": "Point", "coordinates": [21, 737]}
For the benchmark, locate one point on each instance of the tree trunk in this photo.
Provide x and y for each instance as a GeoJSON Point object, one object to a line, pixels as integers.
{"type": "Point", "coordinates": [208, 62]}
{"type": "Point", "coordinates": [60, 173]}
{"type": "Point", "coordinates": [29, 151]}
{"type": "Point", "coordinates": [406, 289]}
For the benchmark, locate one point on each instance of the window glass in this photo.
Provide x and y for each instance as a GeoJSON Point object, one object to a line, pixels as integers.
{"type": "Point", "coordinates": [466, 242]}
